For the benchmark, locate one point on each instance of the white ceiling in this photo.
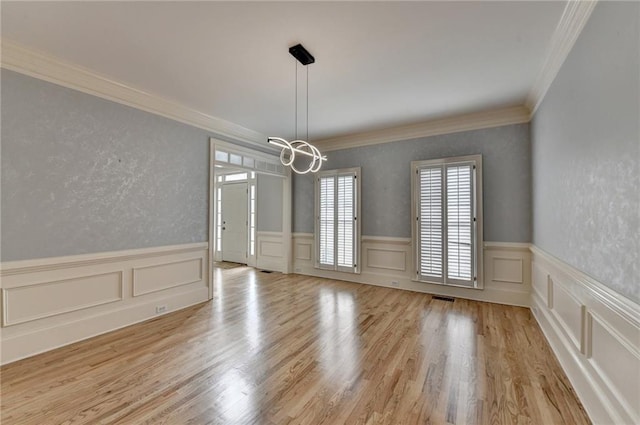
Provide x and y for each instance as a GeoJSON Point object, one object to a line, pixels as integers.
{"type": "Point", "coordinates": [379, 64]}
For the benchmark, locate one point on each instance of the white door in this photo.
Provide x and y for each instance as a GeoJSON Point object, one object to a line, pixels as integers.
{"type": "Point", "coordinates": [234, 222]}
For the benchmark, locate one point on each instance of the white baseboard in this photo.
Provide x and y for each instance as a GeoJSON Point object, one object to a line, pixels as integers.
{"type": "Point", "coordinates": [48, 303]}
{"type": "Point", "coordinates": [595, 333]}
{"type": "Point", "coordinates": [386, 261]}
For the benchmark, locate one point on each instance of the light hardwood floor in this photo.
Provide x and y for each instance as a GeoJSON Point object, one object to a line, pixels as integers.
{"type": "Point", "coordinates": [276, 349]}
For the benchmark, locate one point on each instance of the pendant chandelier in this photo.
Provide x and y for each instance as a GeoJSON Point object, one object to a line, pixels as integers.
{"type": "Point", "coordinates": [290, 150]}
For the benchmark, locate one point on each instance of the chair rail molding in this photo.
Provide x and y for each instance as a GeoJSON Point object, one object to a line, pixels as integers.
{"type": "Point", "coordinates": [270, 250]}
{"type": "Point", "coordinates": [43, 66]}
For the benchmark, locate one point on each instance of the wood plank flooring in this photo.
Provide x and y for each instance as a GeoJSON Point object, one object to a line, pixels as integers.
{"type": "Point", "coordinates": [276, 349]}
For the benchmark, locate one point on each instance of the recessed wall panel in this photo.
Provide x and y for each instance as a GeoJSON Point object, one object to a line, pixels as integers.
{"type": "Point", "coordinates": [618, 361]}
{"type": "Point", "coordinates": [40, 300]}
{"type": "Point", "coordinates": [166, 275]}
{"type": "Point", "coordinates": [386, 259]}
{"type": "Point", "coordinates": [507, 269]}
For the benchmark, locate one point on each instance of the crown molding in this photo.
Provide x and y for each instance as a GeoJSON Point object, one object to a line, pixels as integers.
{"type": "Point", "coordinates": [45, 67]}
{"type": "Point", "coordinates": [453, 124]}
{"type": "Point", "coordinates": [573, 19]}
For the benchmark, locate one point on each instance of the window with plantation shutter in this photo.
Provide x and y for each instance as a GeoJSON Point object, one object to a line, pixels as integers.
{"type": "Point", "coordinates": [447, 226]}
{"type": "Point", "coordinates": [337, 225]}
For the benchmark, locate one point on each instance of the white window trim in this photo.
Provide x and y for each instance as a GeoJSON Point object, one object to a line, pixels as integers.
{"type": "Point", "coordinates": [358, 226]}
{"type": "Point", "coordinates": [479, 270]}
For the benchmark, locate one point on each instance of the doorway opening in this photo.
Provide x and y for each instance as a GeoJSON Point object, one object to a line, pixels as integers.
{"type": "Point", "coordinates": [249, 209]}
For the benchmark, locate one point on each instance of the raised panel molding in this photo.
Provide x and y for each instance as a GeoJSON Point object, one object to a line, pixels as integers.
{"type": "Point", "coordinates": [386, 259]}
{"type": "Point", "coordinates": [303, 251]}
{"type": "Point", "coordinates": [507, 269]}
{"type": "Point", "coordinates": [45, 299]}
{"type": "Point", "coordinates": [507, 265]}
{"type": "Point", "coordinates": [540, 283]}
{"type": "Point", "coordinates": [569, 312]}
{"type": "Point", "coordinates": [51, 302]}
{"type": "Point", "coordinates": [607, 344]}
{"type": "Point", "coordinates": [158, 277]}
{"type": "Point", "coordinates": [595, 333]}
{"type": "Point", "coordinates": [270, 251]}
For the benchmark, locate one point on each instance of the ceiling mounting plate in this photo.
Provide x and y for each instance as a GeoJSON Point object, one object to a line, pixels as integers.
{"type": "Point", "coordinates": [299, 52]}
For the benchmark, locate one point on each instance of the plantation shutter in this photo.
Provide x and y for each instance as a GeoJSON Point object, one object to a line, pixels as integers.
{"type": "Point", "coordinates": [430, 223]}
{"type": "Point", "coordinates": [446, 224]}
{"type": "Point", "coordinates": [460, 222]}
{"type": "Point", "coordinates": [346, 220]}
{"type": "Point", "coordinates": [337, 228]}
{"type": "Point", "coordinates": [327, 220]}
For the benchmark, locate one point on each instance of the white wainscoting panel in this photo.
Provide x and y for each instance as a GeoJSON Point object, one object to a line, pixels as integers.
{"type": "Point", "coordinates": [386, 259]}
{"type": "Point", "coordinates": [387, 262]}
{"type": "Point", "coordinates": [508, 270]}
{"type": "Point", "coordinates": [40, 300]}
{"type": "Point", "coordinates": [568, 311]}
{"type": "Point", "coordinates": [303, 252]}
{"type": "Point", "coordinates": [595, 333]}
{"type": "Point", "coordinates": [163, 276]}
{"type": "Point", "coordinates": [270, 251]}
{"type": "Point", "coordinates": [386, 255]}
{"type": "Point", "coordinates": [51, 302]}
{"type": "Point", "coordinates": [540, 283]}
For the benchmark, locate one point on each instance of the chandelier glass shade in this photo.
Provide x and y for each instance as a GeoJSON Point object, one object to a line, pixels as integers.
{"type": "Point", "coordinates": [297, 148]}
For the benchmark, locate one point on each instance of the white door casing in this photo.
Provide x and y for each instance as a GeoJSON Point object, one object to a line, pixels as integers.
{"type": "Point", "coordinates": [234, 222]}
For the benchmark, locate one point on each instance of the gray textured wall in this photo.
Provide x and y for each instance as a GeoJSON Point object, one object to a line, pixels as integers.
{"type": "Point", "coordinates": [82, 174]}
{"type": "Point", "coordinates": [269, 203]}
{"type": "Point", "coordinates": [586, 153]}
{"type": "Point", "coordinates": [386, 187]}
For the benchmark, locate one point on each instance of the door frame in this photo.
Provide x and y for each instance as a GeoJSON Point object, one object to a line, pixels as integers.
{"type": "Point", "coordinates": [260, 163]}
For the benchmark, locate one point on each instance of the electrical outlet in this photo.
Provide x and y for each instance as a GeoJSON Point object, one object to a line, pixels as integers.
{"type": "Point", "coordinates": [161, 309]}
{"type": "Point", "coordinates": [395, 283]}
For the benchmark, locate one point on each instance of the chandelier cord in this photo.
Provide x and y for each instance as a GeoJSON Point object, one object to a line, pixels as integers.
{"type": "Point", "coordinates": [297, 146]}
{"type": "Point", "coordinates": [307, 139]}
{"type": "Point", "coordinates": [296, 102]}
